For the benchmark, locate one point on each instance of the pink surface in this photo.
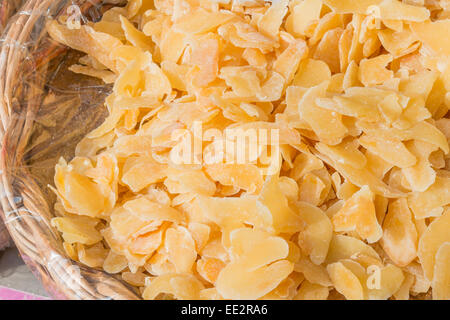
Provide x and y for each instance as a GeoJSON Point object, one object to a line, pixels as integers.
{"type": "Point", "coordinates": [11, 294]}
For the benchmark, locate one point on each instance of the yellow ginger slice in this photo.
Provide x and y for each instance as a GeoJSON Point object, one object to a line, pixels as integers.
{"type": "Point", "coordinates": [317, 233]}
{"type": "Point", "coordinates": [430, 202]}
{"type": "Point", "coordinates": [244, 176]}
{"type": "Point", "coordinates": [232, 213]}
{"type": "Point", "coordinates": [345, 281]}
{"type": "Point", "coordinates": [326, 124]}
{"type": "Point", "coordinates": [358, 213]}
{"type": "Point", "coordinates": [180, 286]}
{"type": "Point", "coordinates": [430, 242]}
{"type": "Point", "coordinates": [257, 257]}
{"type": "Point", "coordinates": [391, 150]}
{"type": "Point", "coordinates": [78, 229]}
{"type": "Point", "coordinates": [399, 239]}
{"type": "Point", "coordinates": [180, 248]}
{"type": "Point", "coordinates": [345, 247]}
{"type": "Point", "coordinates": [441, 277]}
{"type": "Point", "coordinates": [285, 220]}
{"type": "Point", "coordinates": [311, 291]}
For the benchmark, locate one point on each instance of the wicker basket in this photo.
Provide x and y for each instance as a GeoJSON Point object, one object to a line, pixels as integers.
{"type": "Point", "coordinates": [44, 112]}
{"type": "Point", "coordinates": [7, 9]}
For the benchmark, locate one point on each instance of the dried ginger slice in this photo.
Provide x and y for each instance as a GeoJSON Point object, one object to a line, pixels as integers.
{"type": "Point", "coordinates": [320, 119]}
{"type": "Point", "coordinates": [311, 291]}
{"type": "Point", "coordinates": [317, 233]}
{"type": "Point", "coordinates": [399, 239]}
{"type": "Point", "coordinates": [244, 176]}
{"type": "Point", "coordinates": [258, 267]}
{"type": "Point", "coordinates": [180, 248]}
{"type": "Point", "coordinates": [285, 220]}
{"type": "Point", "coordinates": [430, 242]}
{"type": "Point", "coordinates": [78, 229]}
{"type": "Point", "coordinates": [271, 21]}
{"type": "Point", "coordinates": [345, 281]}
{"type": "Point", "coordinates": [441, 277]}
{"type": "Point", "coordinates": [430, 202]}
{"type": "Point", "coordinates": [180, 286]}
{"type": "Point", "coordinates": [358, 213]}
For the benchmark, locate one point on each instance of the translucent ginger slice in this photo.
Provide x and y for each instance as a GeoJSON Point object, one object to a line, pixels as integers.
{"type": "Point", "coordinates": [430, 202]}
{"type": "Point", "coordinates": [303, 13]}
{"type": "Point", "coordinates": [78, 229]}
{"type": "Point", "coordinates": [271, 21]}
{"type": "Point", "coordinates": [93, 256]}
{"type": "Point", "coordinates": [422, 131]}
{"type": "Point", "coordinates": [363, 177]}
{"type": "Point", "coordinates": [126, 146]}
{"type": "Point", "coordinates": [210, 294]}
{"type": "Point", "coordinates": [372, 71]}
{"type": "Point", "coordinates": [202, 21]}
{"type": "Point", "coordinates": [244, 176]}
{"type": "Point", "coordinates": [200, 233]}
{"type": "Point", "coordinates": [313, 273]}
{"type": "Point", "coordinates": [311, 73]}
{"type": "Point", "coordinates": [243, 35]}
{"type": "Point", "coordinates": [345, 281]}
{"type": "Point", "coordinates": [285, 220]}
{"type": "Point", "coordinates": [148, 242]}
{"type": "Point", "coordinates": [403, 293]}
{"type": "Point", "coordinates": [255, 249]}
{"type": "Point", "coordinates": [346, 152]}
{"type": "Point", "coordinates": [345, 247]}
{"type": "Point", "coordinates": [397, 43]}
{"type": "Point", "coordinates": [391, 150]}
{"type": "Point", "coordinates": [305, 163]}
{"type": "Point", "coordinates": [383, 9]}
{"type": "Point", "coordinates": [422, 175]}
{"type": "Point", "coordinates": [114, 263]}
{"type": "Point", "coordinates": [358, 213]}
{"type": "Point", "coordinates": [327, 48]}
{"type": "Point", "coordinates": [311, 189]}
{"type": "Point", "coordinates": [431, 34]}
{"type": "Point", "coordinates": [172, 46]}
{"type": "Point", "coordinates": [79, 194]}
{"type": "Point", "coordinates": [441, 274]}
{"type": "Point", "coordinates": [434, 237]}
{"type": "Point", "coordinates": [421, 284]}
{"type": "Point", "coordinates": [140, 172]}
{"type": "Point", "coordinates": [311, 291]}
{"type": "Point", "coordinates": [189, 181]}
{"type": "Point", "coordinates": [328, 22]}
{"type": "Point", "coordinates": [181, 286]}
{"type": "Point", "coordinates": [399, 239]}
{"type": "Point", "coordinates": [244, 81]}
{"type": "Point", "coordinates": [149, 210]}
{"type": "Point", "coordinates": [391, 279]}
{"type": "Point", "coordinates": [210, 268]}
{"type": "Point", "coordinates": [237, 282]}
{"type": "Point", "coordinates": [288, 62]}
{"type": "Point", "coordinates": [317, 233]}
{"type": "Point", "coordinates": [180, 248]}
{"type": "Point", "coordinates": [135, 36]}
{"type": "Point", "coordinates": [86, 39]}
{"type": "Point", "coordinates": [136, 279]}
{"type": "Point", "coordinates": [205, 57]}
{"type": "Point", "coordinates": [326, 124]}
{"type": "Point", "coordinates": [232, 213]}
{"type": "Point", "coordinates": [107, 76]}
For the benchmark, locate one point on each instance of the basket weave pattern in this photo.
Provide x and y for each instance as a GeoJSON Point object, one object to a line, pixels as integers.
{"type": "Point", "coordinates": [27, 209]}
{"type": "Point", "coordinates": [7, 9]}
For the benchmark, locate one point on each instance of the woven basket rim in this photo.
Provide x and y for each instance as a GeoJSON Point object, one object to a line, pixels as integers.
{"type": "Point", "coordinates": [25, 210]}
